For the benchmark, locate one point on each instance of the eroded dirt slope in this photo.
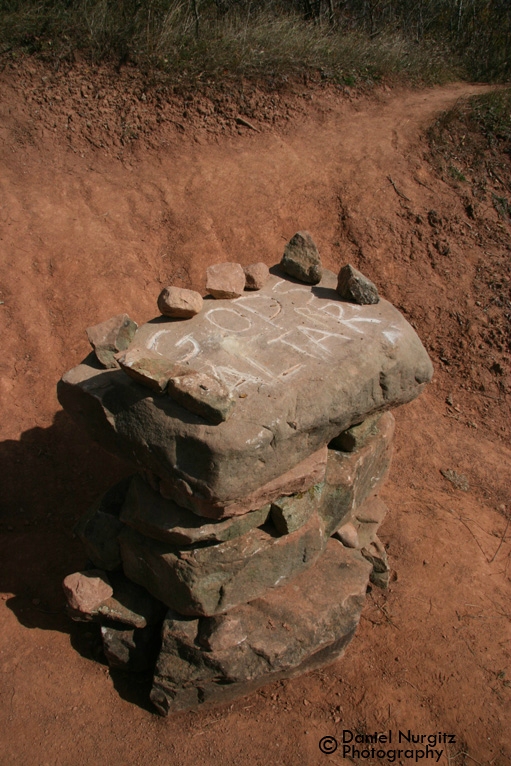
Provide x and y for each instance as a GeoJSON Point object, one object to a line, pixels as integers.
{"type": "Point", "coordinates": [95, 217]}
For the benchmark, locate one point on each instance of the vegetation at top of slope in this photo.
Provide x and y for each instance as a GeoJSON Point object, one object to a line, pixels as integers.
{"type": "Point", "coordinates": [347, 41]}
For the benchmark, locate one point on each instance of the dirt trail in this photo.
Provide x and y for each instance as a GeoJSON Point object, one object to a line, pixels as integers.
{"type": "Point", "coordinates": [88, 232]}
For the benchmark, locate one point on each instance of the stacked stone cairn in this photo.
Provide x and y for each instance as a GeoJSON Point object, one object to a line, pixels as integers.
{"type": "Point", "coordinates": [259, 423]}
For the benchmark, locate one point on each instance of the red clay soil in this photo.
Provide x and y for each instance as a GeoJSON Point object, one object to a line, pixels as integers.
{"type": "Point", "coordinates": [109, 193]}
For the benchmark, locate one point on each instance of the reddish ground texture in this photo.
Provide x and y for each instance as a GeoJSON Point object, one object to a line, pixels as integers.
{"type": "Point", "coordinates": [110, 191]}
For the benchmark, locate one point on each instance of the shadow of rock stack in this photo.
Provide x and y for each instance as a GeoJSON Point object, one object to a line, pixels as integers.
{"type": "Point", "coordinates": [259, 422]}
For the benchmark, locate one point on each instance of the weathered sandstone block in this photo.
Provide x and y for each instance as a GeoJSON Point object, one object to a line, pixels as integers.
{"type": "Point", "coordinates": [212, 579]}
{"type": "Point", "coordinates": [300, 478]}
{"type": "Point", "coordinates": [302, 365]}
{"type": "Point", "coordinates": [152, 515]}
{"type": "Point", "coordinates": [351, 477]}
{"type": "Point", "coordinates": [298, 627]}
{"type": "Point", "coordinates": [209, 579]}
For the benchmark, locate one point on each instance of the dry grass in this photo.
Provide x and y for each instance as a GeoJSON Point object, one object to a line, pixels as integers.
{"type": "Point", "coordinates": [169, 37]}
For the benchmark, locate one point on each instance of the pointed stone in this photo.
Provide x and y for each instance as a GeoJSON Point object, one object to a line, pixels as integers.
{"type": "Point", "coordinates": [301, 259]}
{"type": "Point", "coordinates": [353, 286]}
{"type": "Point", "coordinates": [131, 605]}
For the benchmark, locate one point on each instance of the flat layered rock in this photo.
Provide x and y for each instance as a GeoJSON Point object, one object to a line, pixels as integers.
{"type": "Point", "coordinates": [212, 579]}
{"type": "Point", "coordinates": [303, 625]}
{"type": "Point", "coordinates": [352, 477]}
{"type": "Point", "coordinates": [152, 515]}
{"type": "Point", "coordinates": [302, 365]}
{"type": "Point", "coordinates": [300, 478]}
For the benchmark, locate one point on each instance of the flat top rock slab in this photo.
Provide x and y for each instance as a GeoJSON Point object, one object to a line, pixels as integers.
{"type": "Point", "coordinates": [302, 364]}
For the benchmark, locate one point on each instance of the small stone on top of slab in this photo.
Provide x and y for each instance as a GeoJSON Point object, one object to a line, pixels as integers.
{"type": "Point", "coordinates": [179, 303]}
{"type": "Point", "coordinates": [301, 259]}
{"type": "Point", "coordinates": [256, 276]}
{"type": "Point", "coordinates": [225, 280]}
{"type": "Point", "coordinates": [110, 337]}
{"type": "Point", "coordinates": [353, 286]}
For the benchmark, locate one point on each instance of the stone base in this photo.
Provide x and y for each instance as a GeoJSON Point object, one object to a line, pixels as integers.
{"type": "Point", "coordinates": [292, 629]}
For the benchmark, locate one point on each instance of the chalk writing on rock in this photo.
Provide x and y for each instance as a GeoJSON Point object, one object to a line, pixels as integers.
{"type": "Point", "coordinates": [268, 338]}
